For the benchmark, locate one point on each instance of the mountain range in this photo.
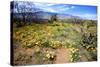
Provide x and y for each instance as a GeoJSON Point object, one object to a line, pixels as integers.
{"type": "Point", "coordinates": [46, 15]}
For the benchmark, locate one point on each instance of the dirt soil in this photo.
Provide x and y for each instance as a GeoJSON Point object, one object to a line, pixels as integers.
{"type": "Point", "coordinates": [62, 56]}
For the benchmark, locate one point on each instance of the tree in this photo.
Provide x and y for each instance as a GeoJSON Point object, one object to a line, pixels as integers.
{"type": "Point", "coordinates": [54, 17]}
{"type": "Point", "coordinates": [21, 11]}
{"type": "Point", "coordinates": [24, 11]}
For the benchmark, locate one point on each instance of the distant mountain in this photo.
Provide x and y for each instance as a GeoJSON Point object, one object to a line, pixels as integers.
{"type": "Point", "coordinates": [64, 16]}
{"type": "Point", "coordinates": [46, 15]}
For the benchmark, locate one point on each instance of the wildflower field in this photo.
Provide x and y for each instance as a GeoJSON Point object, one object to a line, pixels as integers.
{"type": "Point", "coordinates": [51, 43]}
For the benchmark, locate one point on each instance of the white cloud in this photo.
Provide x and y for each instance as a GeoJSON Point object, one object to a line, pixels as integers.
{"type": "Point", "coordinates": [72, 7]}
{"type": "Point", "coordinates": [43, 4]}
{"type": "Point", "coordinates": [52, 7]}
{"type": "Point", "coordinates": [89, 15]}
{"type": "Point", "coordinates": [49, 9]}
{"type": "Point", "coordinates": [65, 8]}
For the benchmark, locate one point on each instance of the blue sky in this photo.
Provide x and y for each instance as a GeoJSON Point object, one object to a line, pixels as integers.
{"type": "Point", "coordinates": [84, 11]}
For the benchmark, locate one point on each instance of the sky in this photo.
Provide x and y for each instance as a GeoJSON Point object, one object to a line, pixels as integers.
{"type": "Point", "coordinates": [84, 11]}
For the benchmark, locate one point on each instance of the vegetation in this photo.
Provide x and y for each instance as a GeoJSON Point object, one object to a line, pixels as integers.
{"type": "Point", "coordinates": [44, 39]}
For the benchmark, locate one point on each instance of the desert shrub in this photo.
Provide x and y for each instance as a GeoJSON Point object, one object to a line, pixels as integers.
{"type": "Point", "coordinates": [90, 44]}
{"type": "Point", "coordinates": [46, 44]}
{"type": "Point", "coordinates": [89, 39]}
{"type": "Point", "coordinates": [19, 24]}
